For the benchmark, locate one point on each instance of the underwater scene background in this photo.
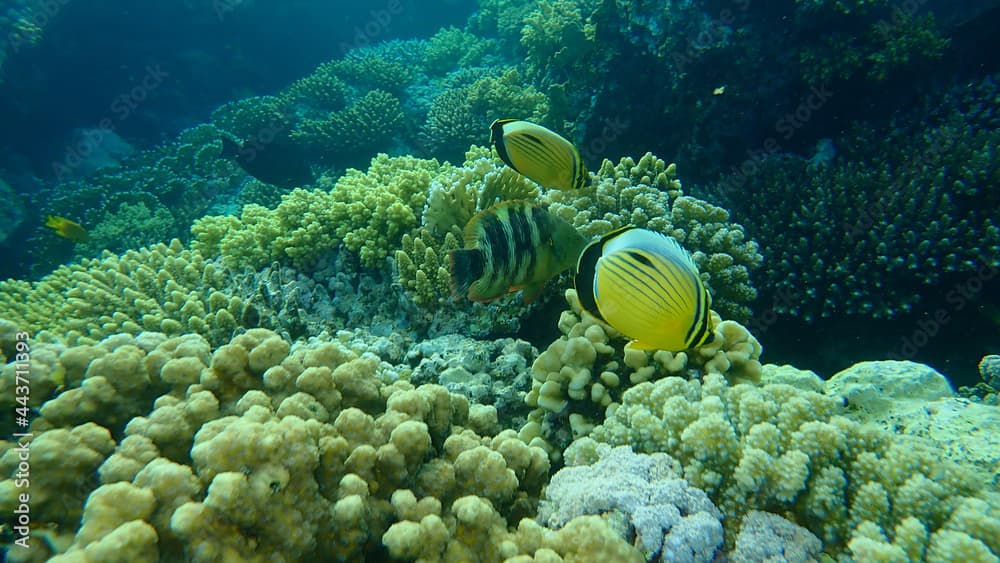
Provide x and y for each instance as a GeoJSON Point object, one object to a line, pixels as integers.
{"type": "Point", "coordinates": [232, 230]}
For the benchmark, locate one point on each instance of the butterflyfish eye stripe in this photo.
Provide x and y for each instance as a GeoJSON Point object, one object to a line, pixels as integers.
{"type": "Point", "coordinates": [700, 322]}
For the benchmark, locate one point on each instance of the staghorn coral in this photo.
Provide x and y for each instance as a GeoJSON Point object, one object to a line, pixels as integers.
{"type": "Point", "coordinates": [647, 193]}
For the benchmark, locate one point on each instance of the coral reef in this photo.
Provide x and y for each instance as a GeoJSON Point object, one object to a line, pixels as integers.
{"type": "Point", "coordinates": [199, 472]}
{"type": "Point", "coordinates": [668, 519]}
{"type": "Point", "coordinates": [355, 132]}
{"type": "Point", "coordinates": [893, 215]}
{"type": "Point", "coordinates": [367, 212]}
{"type": "Point", "coordinates": [791, 451]}
{"type": "Point", "coordinates": [461, 116]}
{"type": "Point", "coordinates": [162, 288]}
{"type": "Point", "coordinates": [647, 193]}
{"type": "Point", "coordinates": [153, 197]}
{"type": "Point", "coordinates": [586, 371]}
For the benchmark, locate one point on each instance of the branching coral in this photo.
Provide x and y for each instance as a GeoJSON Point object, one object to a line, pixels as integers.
{"type": "Point", "coordinates": [790, 451]}
{"type": "Point", "coordinates": [322, 89]}
{"type": "Point", "coordinates": [162, 288]}
{"type": "Point", "coordinates": [902, 209]}
{"type": "Point", "coordinates": [586, 371]}
{"type": "Point", "coordinates": [367, 212]}
{"type": "Point", "coordinates": [461, 116]}
{"type": "Point", "coordinates": [648, 194]}
{"type": "Point", "coordinates": [452, 48]}
{"type": "Point", "coordinates": [357, 131]}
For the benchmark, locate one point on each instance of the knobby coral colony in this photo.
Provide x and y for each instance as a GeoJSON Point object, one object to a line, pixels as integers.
{"type": "Point", "coordinates": [167, 428]}
{"type": "Point", "coordinates": [269, 391]}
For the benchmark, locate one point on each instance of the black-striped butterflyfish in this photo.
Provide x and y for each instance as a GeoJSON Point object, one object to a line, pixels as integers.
{"type": "Point", "coordinates": [512, 246]}
{"type": "Point", "coordinates": [70, 230]}
{"type": "Point", "coordinates": [647, 287]}
{"type": "Point", "coordinates": [539, 153]}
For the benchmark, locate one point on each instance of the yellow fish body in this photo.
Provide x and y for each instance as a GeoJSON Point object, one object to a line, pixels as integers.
{"type": "Point", "coordinates": [67, 229]}
{"type": "Point", "coordinates": [647, 287]}
{"type": "Point", "coordinates": [539, 153]}
{"type": "Point", "coordinates": [510, 246]}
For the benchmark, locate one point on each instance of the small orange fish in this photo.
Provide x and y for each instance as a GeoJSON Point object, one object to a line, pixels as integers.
{"type": "Point", "coordinates": [67, 229]}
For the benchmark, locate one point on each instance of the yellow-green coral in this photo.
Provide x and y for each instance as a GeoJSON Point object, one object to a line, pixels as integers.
{"type": "Point", "coordinates": [585, 371]}
{"type": "Point", "coordinates": [559, 41]}
{"type": "Point", "coordinates": [455, 196]}
{"type": "Point", "coordinates": [462, 116]}
{"type": "Point", "coordinates": [422, 266]}
{"type": "Point", "coordinates": [322, 89]}
{"type": "Point", "coordinates": [790, 451]}
{"type": "Point", "coordinates": [367, 212]}
{"type": "Point", "coordinates": [162, 288]}
{"type": "Point", "coordinates": [452, 48]}
{"type": "Point", "coordinates": [648, 194]}
{"type": "Point", "coordinates": [360, 128]}
{"type": "Point", "coordinates": [309, 453]}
